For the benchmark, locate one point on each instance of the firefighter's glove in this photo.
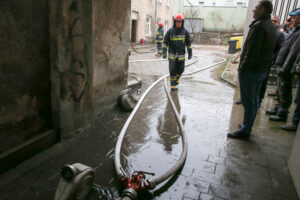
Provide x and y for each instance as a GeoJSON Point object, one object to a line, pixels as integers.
{"type": "Point", "coordinates": [164, 55]}
{"type": "Point", "coordinates": [190, 56]}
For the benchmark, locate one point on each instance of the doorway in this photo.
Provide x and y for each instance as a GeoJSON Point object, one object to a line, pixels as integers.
{"type": "Point", "coordinates": [133, 30]}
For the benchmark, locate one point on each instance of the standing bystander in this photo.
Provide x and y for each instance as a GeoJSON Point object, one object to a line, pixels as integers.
{"type": "Point", "coordinates": [256, 58]}
{"type": "Point", "coordinates": [284, 63]}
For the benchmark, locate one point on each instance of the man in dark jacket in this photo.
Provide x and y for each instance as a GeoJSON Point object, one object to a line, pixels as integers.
{"type": "Point", "coordinates": [255, 61]}
{"type": "Point", "coordinates": [279, 41]}
{"type": "Point", "coordinates": [159, 38]}
{"type": "Point", "coordinates": [177, 39]}
{"type": "Point", "coordinates": [284, 63]}
{"type": "Point", "coordinates": [296, 117]}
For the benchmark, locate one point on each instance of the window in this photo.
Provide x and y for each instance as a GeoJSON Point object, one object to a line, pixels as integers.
{"type": "Point", "coordinates": [214, 3]}
{"type": "Point", "coordinates": [168, 3]}
{"type": "Point", "coordinates": [148, 26]}
{"type": "Point", "coordinates": [166, 26]}
{"type": "Point", "coordinates": [159, 1]}
{"type": "Point", "coordinates": [244, 5]}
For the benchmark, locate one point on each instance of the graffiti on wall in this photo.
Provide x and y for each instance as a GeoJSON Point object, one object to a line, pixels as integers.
{"type": "Point", "coordinates": [76, 81]}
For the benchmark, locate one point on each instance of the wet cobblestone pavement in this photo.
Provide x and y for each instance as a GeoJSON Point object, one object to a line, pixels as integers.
{"type": "Point", "coordinates": [216, 167]}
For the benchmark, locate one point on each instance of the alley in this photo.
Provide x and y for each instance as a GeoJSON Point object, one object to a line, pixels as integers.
{"type": "Point", "coordinates": [216, 167]}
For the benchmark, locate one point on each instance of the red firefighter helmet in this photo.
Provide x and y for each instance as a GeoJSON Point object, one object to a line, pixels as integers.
{"type": "Point", "coordinates": [160, 24]}
{"type": "Point", "coordinates": [179, 17]}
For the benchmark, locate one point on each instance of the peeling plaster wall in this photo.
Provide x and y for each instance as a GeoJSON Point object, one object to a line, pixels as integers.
{"type": "Point", "coordinates": [25, 109]}
{"type": "Point", "coordinates": [62, 63]}
{"type": "Point", "coordinates": [89, 52]}
{"type": "Point", "coordinates": [111, 28]}
{"type": "Point", "coordinates": [72, 64]}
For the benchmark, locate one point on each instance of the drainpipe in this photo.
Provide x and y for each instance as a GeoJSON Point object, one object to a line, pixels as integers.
{"type": "Point", "coordinates": [155, 17]}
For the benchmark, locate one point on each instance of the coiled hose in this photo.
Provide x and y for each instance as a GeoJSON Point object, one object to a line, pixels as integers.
{"type": "Point", "coordinates": [154, 182]}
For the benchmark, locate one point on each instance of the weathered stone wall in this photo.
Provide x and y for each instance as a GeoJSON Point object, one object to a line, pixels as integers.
{"type": "Point", "coordinates": [71, 63]}
{"type": "Point", "coordinates": [62, 63]}
{"type": "Point", "coordinates": [89, 46]}
{"type": "Point", "coordinates": [111, 29]}
{"type": "Point", "coordinates": [24, 71]}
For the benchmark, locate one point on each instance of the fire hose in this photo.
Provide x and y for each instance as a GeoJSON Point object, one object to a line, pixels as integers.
{"type": "Point", "coordinates": [137, 182]}
{"type": "Point", "coordinates": [140, 52]}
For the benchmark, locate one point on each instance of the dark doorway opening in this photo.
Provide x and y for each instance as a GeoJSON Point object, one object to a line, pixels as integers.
{"type": "Point", "coordinates": [25, 86]}
{"type": "Point", "coordinates": [133, 30]}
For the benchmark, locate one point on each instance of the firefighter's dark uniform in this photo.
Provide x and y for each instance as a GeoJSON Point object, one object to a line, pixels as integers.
{"type": "Point", "coordinates": [159, 39]}
{"type": "Point", "coordinates": [176, 40]}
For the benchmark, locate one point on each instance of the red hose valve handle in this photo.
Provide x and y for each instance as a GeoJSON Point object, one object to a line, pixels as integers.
{"type": "Point", "coordinates": [137, 182]}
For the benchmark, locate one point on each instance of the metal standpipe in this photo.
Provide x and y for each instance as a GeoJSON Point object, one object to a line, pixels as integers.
{"type": "Point", "coordinates": [138, 182]}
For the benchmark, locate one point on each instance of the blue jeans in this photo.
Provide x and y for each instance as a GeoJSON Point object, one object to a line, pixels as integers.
{"type": "Point", "coordinates": [250, 87]}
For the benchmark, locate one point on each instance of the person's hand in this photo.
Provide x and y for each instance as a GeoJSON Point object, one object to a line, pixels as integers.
{"type": "Point", "coordinates": [164, 56]}
{"type": "Point", "coordinates": [279, 71]}
{"type": "Point", "coordinates": [190, 56]}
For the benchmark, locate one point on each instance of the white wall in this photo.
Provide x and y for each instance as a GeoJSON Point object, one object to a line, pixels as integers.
{"type": "Point", "coordinates": [294, 162]}
{"type": "Point", "coordinates": [249, 17]}
{"type": "Point", "coordinates": [219, 18]}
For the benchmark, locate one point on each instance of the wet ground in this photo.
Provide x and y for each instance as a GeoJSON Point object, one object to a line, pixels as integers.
{"type": "Point", "coordinates": [215, 168]}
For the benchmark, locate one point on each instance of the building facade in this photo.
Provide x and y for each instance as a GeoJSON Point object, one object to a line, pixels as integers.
{"type": "Point", "coordinates": [143, 16]}
{"type": "Point", "coordinates": [217, 15]}
{"type": "Point", "coordinates": [283, 7]}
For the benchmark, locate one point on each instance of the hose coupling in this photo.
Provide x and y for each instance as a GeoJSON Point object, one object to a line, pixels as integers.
{"type": "Point", "coordinates": [129, 193]}
{"type": "Point", "coordinates": [136, 184]}
{"type": "Point", "coordinates": [151, 184]}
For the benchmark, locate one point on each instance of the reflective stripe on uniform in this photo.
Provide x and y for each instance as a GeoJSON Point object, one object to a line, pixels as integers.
{"type": "Point", "coordinates": [181, 57]}
{"type": "Point", "coordinates": [178, 39]}
{"type": "Point", "coordinates": [172, 55]}
{"type": "Point", "coordinates": [189, 47]}
{"type": "Point", "coordinates": [178, 36]}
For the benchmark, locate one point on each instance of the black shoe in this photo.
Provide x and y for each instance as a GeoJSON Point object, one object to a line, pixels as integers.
{"type": "Point", "coordinates": [238, 135]}
{"type": "Point", "coordinates": [271, 112]}
{"type": "Point", "coordinates": [278, 118]}
{"type": "Point", "coordinates": [239, 101]}
{"type": "Point", "coordinates": [289, 127]}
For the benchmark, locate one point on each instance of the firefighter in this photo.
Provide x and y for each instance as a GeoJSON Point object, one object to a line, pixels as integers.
{"type": "Point", "coordinates": [159, 38]}
{"type": "Point", "coordinates": [176, 39]}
